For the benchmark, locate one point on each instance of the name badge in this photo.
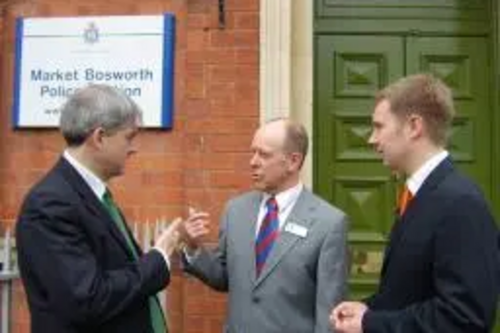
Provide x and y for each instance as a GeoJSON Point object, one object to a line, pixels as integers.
{"type": "Point", "coordinates": [296, 229]}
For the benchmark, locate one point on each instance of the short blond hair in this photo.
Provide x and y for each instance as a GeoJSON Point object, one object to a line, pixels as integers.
{"type": "Point", "coordinates": [426, 96]}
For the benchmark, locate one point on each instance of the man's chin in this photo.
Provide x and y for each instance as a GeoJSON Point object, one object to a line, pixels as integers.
{"type": "Point", "coordinates": [117, 173]}
{"type": "Point", "coordinates": [258, 186]}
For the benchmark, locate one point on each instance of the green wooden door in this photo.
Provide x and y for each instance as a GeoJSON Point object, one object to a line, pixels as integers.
{"type": "Point", "coordinates": [349, 70]}
{"type": "Point", "coordinates": [348, 171]}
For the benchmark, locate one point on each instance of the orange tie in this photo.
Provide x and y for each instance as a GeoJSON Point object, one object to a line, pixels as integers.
{"type": "Point", "coordinates": [404, 199]}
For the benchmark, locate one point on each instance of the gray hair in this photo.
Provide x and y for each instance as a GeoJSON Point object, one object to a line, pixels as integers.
{"type": "Point", "coordinates": [296, 140]}
{"type": "Point", "coordinates": [96, 106]}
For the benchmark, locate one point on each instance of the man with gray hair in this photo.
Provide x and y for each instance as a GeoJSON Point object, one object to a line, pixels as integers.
{"type": "Point", "coordinates": [80, 265]}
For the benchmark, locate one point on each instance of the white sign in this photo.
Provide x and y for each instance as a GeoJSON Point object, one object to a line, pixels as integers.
{"type": "Point", "coordinates": [55, 56]}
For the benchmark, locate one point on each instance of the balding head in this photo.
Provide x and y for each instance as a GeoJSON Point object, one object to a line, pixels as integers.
{"type": "Point", "coordinates": [292, 136]}
{"type": "Point", "coordinates": [279, 148]}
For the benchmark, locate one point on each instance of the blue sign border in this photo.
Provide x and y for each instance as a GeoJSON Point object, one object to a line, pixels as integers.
{"type": "Point", "coordinates": [168, 70]}
{"type": "Point", "coordinates": [17, 70]}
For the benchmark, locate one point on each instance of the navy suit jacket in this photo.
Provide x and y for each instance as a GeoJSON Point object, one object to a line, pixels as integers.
{"type": "Point", "coordinates": [79, 274]}
{"type": "Point", "coordinates": [441, 269]}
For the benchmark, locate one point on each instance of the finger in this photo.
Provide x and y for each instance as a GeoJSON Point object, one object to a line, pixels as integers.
{"type": "Point", "coordinates": [337, 311]}
{"type": "Point", "coordinates": [198, 232]}
{"type": "Point", "coordinates": [195, 222]}
{"type": "Point", "coordinates": [191, 228]}
{"type": "Point", "coordinates": [174, 225]}
{"type": "Point", "coordinates": [335, 314]}
{"type": "Point", "coordinates": [196, 225]}
{"type": "Point", "coordinates": [198, 215]}
{"type": "Point", "coordinates": [332, 322]}
{"type": "Point", "coordinates": [339, 326]}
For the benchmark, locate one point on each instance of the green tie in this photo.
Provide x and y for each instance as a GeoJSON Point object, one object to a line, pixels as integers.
{"type": "Point", "coordinates": [157, 318]}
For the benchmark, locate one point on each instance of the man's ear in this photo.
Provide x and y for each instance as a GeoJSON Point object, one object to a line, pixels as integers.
{"type": "Point", "coordinates": [295, 159]}
{"type": "Point", "coordinates": [96, 137]}
{"type": "Point", "coordinates": [416, 126]}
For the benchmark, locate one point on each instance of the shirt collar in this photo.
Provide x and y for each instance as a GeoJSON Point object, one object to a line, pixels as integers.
{"type": "Point", "coordinates": [285, 198]}
{"type": "Point", "coordinates": [417, 179]}
{"type": "Point", "coordinates": [95, 183]}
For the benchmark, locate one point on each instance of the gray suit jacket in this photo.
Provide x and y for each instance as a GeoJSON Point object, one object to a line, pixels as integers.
{"type": "Point", "coordinates": [302, 279]}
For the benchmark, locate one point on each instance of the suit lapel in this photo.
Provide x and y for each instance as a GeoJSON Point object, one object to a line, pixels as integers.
{"type": "Point", "coordinates": [299, 215]}
{"type": "Point", "coordinates": [91, 201]}
{"type": "Point", "coordinates": [402, 223]}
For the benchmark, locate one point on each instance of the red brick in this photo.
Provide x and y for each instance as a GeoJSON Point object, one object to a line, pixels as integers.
{"type": "Point", "coordinates": [242, 5]}
{"type": "Point", "coordinates": [199, 6]}
{"type": "Point", "coordinates": [235, 143]}
{"type": "Point", "coordinates": [227, 179]}
{"type": "Point", "coordinates": [221, 90]}
{"type": "Point", "coordinates": [195, 87]}
{"type": "Point", "coordinates": [222, 73]}
{"type": "Point", "coordinates": [246, 39]}
{"type": "Point", "coordinates": [195, 107]}
{"type": "Point", "coordinates": [196, 57]}
{"type": "Point", "coordinates": [195, 178]}
{"type": "Point", "coordinates": [197, 40]}
{"type": "Point", "coordinates": [247, 57]}
{"type": "Point", "coordinates": [197, 21]}
{"type": "Point", "coordinates": [246, 20]}
{"type": "Point", "coordinates": [224, 56]}
{"type": "Point", "coordinates": [222, 38]}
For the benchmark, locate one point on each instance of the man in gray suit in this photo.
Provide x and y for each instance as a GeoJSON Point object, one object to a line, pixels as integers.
{"type": "Point", "coordinates": [282, 252]}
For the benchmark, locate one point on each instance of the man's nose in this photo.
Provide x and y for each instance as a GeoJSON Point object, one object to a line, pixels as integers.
{"type": "Point", "coordinates": [253, 161]}
{"type": "Point", "coordinates": [371, 139]}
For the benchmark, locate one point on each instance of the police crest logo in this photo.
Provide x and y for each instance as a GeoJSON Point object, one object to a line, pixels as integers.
{"type": "Point", "coordinates": [91, 34]}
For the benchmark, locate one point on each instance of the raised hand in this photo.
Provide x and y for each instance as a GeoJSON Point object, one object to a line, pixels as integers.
{"type": "Point", "coordinates": [195, 228]}
{"type": "Point", "coordinates": [169, 239]}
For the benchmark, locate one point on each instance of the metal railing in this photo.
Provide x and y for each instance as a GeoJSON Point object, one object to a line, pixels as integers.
{"type": "Point", "coordinates": [144, 233]}
{"type": "Point", "coordinates": [8, 273]}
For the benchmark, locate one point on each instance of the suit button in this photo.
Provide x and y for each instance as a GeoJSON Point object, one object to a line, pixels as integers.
{"type": "Point", "coordinates": [255, 299]}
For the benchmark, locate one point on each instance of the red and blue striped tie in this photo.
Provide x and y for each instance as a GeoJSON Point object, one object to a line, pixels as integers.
{"type": "Point", "coordinates": [268, 233]}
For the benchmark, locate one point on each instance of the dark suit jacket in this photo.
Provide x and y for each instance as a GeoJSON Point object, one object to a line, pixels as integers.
{"type": "Point", "coordinates": [78, 273]}
{"type": "Point", "coordinates": [441, 270]}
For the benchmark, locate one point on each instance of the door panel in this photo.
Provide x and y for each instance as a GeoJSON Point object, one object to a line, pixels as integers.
{"type": "Point", "coordinates": [462, 63]}
{"type": "Point", "coordinates": [349, 173]}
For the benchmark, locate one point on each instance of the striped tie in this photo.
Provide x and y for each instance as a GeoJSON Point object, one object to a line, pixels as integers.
{"type": "Point", "coordinates": [268, 233]}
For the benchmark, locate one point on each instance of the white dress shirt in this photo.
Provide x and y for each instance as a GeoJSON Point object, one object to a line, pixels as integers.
{"type": "Point", "coordinates": [286, 201]}
{"type": "Point", "coordinates": [417, 179]}
{"type": "Point", "coordinates": [99, 188]}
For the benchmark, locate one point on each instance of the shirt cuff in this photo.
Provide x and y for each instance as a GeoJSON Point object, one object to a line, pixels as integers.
{"type": "Point", "coordinates": [164, 255]}
{"type": "Point", "coordinates": [191, 255]}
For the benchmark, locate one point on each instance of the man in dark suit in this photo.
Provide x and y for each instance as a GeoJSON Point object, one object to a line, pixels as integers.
{"type": "Point", "coordinates": [441, 268]}
{"type": "Point", "coordinates": [282, 252]}
{"type": "Point", "coordinates": [81, 268]}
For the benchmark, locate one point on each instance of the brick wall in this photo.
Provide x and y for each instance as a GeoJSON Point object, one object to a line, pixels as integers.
{"type": "Point", "coordinates": [201, 162]}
